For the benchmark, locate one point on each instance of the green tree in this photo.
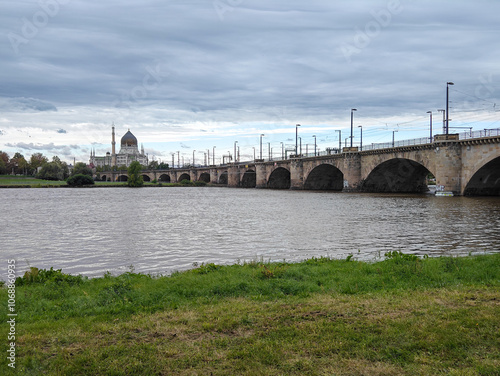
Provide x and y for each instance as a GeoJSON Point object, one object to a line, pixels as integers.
{"type": "Point", "coordinates": [153, 165]}
{"type": "Point", "coordinates": [51, 171]}
{"type": "Point", "coordinates": [16, 164]}
{"type": "Point", "coordinates": [63, 165]}
{"type": "Point", "coordinates": [37, 160]}
{"type": "Point", "coordinates": [81, 168]}
{"type": "Point", "coordinates": [163, 166]}
{"type": "Point", "coordinates": [134, 175]}
{"type": "Point", "coordinates": [4, 162]}
{"type": "Point", "coordinates": [80, 180]}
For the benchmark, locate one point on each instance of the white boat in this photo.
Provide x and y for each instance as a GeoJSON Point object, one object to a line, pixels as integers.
{"type": "Point", "coordinates": [444, 194]}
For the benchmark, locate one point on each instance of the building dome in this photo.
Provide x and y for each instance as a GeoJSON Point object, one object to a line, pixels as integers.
{"type": "Point", "coordinates": [129, 139]}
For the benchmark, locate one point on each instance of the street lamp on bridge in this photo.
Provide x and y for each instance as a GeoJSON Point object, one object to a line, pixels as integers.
{"type": "Point", "coordinates": [314, 144]}
{"type": "Point", "coordinates": [393, 137]}
{"type": "Point", "coordinates": [262, 135]}
{"type": "Point", "coordinates": [430, 114]}
{"type": "Point", "coordinates": [352, 136]}
{"type": "Point", "coordinates": [340, 140]}
{"type": "Point", "coordinates": [296, 137]}
{"type": "Point", "coordinates": [361, 143]}
{"type": "Point", "coordinates": [447, 106]}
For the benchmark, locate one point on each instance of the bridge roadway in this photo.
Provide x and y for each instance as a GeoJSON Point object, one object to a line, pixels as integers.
{"type": "Point", "coordinates": [464, 167]}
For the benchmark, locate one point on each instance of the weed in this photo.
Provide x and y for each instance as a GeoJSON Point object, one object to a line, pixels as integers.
{"type": "Point", "coordinates": [206, 268]}
{"type": "Point", "coordinates": [35, 275]}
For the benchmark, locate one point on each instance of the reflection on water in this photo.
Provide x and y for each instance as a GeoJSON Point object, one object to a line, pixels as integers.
{"type": "Point", "coordinates": [159, 230]}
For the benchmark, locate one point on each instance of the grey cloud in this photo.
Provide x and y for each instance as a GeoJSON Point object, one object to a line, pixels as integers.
{"type": "Point", "coordinates": [261, 61]}
{"type": "Point", "coordinates": [26, 105]}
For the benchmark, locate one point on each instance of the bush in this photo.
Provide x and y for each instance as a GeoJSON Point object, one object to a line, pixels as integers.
{"type": "Point", "coordinates": [186, 182]}
{"type": "Point", "coordinates": [200, 183]}
{"type": "Point", "coordinates": [35, 275]}
{"type": "Point", "coordinates": [80, 180]}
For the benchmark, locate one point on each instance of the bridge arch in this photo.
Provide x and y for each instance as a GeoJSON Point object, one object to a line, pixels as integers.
{"type": "Point", "coordinates": [122, 178]}
{"type": "Point", "coordinates": [397, 175]}
{"type": "Point", "coordinates": [164, 178]}
{"type": "Point", "coordinates": [485, 181]}
{"type": "Point", "coordinates": [103, 177]}
{"type": "Point", "coordinates": [279, 179]}
{"type": "Point", "coordinates": [184, 176]}
{"type": "Point", "coordinates": [325, 177]}
{"type": "Point", "coordinates": [146, 177]}
{"type": "Point", "coordinates": [223, 178]}
{"type": "Point", "coordinates": [249, 179]}
{"type": "Point", "coordinates": [205, 176]}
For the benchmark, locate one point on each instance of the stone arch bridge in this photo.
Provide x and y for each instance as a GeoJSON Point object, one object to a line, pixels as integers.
{"type": "Point", "coordinates": [464, 167]}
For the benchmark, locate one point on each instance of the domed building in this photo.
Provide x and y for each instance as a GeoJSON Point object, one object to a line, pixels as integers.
{"type": "Point", "coordinates": [129, 152]}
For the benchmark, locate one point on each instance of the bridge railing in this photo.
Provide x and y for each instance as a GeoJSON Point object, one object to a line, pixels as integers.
{"type": "Point", "coordinates": [478, 134]}
{"type": "Point", "coordinates": [386, 145]}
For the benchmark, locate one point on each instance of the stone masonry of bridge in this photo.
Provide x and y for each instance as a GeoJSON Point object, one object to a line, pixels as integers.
{"type": "Point", "coordinates": [464, 167]}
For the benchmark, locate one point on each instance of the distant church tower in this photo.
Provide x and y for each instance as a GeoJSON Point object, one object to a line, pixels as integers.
{"type": "Point", "coordinates": [113, 151]}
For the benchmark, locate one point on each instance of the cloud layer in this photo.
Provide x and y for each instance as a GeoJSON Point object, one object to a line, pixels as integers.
{"type": "Point", "coordinates": [201, 72]}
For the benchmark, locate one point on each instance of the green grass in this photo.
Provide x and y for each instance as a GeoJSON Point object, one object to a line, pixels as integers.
{"type": "Point", "coordinates": [401, 316]}
{"type": "Point", "coordinates": [29, 181]}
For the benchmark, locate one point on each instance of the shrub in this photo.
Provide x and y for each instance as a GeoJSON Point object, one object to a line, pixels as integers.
{"type": "Point", "coordinates": [80, 180]}
{"type": "Point", "coordinates": [35, 275]}
{"type": "Point", "coordinates": [200, 183]}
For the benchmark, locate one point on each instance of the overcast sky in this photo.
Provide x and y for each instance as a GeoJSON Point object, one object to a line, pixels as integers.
{"type": "Point", "coordinates": [188, 75]}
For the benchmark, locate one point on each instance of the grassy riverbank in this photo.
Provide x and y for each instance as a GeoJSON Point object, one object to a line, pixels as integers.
{"type": "Point", "coordinates": [401, 316]}
{"type": "Point", "coordinates": [9, 181]}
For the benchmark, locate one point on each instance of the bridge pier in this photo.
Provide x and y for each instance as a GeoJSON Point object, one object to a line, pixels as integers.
{"type": "Point", "coordinates": [261, 175]}
{"type": "Point", "coordinates": [449, 167]}
{"type": "Point", "coordinates": [296, 174]}
{"type": "Point", "coordinates": [352, 172]}
{"type": "Point", "coordinates": [233, 176]}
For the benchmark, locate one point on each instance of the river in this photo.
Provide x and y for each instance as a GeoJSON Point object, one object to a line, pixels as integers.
{"type": "Point", "coordinates": [161, 230]}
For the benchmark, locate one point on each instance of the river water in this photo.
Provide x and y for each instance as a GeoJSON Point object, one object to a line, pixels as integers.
{"type": "Point", "coordinates": [161, 230]}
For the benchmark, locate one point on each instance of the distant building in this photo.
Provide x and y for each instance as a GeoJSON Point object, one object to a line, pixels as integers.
{"type": "Point", "coordinates": [129, 152]}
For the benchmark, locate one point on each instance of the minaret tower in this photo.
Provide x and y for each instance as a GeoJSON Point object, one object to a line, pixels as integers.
{"type": "Point", "coordinates": [113, 150]}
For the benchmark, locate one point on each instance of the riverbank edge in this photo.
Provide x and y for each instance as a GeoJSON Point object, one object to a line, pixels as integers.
{"type": "Point", "coordinates": [165, 185]}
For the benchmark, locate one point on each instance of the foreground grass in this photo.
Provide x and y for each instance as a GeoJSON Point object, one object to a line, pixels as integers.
{"type": "Point", "coordinates": [319, 317]}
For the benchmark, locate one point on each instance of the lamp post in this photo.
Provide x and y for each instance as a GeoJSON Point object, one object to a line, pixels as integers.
{"type": "Point", "coordinates": [430, 135]}
{"type": "Point", "coordinates": [300, 146]}
{"type": "Point", "coordinates": [340, 139]}
{"type": "Point", "coordinates": [361, 143]}
{"type": "Point", "coordinates": [282, 150]}
{"type": "Point", "coordinates": [193, 157]}
{"type": "Point", "coordinates": [213, 154]}
{"type": "Point", "coordinates": [269, 150]}
{"type": "Point", "coordinates": [447, 106]}
{"type": "Point", "coordinates": [262, 135]}
{"type": "Point", "coordinates": [393, 137]}
{"type": "Point", "coordinates": [253, 153]}
{"type": "Point", "coordinates": [352, 111]}
{"type": "Point", "coordinates": [235, 160]}
{"type": "Point", "coordinates": [314, 144]}
{"type": "Point", "coordinates": [444, 119]}
{"type": "Point", "coordinates": [173, 160]}
{"type": "Point", "coordinates": [296, 137]}
{"type": "Point", "coordinates": [178, 160]}
{"type": "Point", "coordinates": [208, 156]}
